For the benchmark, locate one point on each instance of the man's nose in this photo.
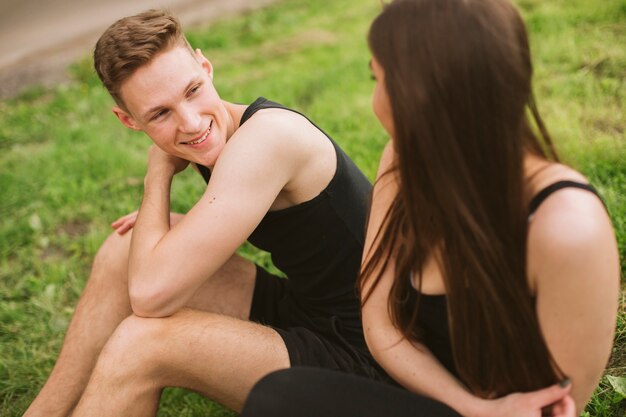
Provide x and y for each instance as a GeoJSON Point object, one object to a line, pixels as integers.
{"type": "Point", "coordinates": [189, 120]}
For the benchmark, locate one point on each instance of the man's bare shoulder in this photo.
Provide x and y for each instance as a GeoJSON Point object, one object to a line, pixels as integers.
{"type": "Point", "coordinates": [282, 139]}
{"type": "Point", "coordinates": [276, 134]}
{"type": "Point", "coordinates": [279, 123]}
{"type": "Point", "coordinates": [284, 144]}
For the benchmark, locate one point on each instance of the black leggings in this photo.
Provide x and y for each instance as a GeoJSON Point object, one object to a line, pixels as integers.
{"type": "Point", "coordinates": [312, 392]}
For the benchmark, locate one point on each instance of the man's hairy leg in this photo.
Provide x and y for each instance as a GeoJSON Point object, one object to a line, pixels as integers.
{"type": "Point", "coordinates": [215, 355]}
{"type": "Point", "coordinates": [105, 303]}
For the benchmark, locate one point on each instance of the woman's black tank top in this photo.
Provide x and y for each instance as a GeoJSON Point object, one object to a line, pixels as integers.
{"type": "Point", "coordinates": [433, 313]}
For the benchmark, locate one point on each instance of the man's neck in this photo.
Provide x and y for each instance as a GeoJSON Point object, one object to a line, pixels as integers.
{"type": "Point", "coordinates": [235, 112]}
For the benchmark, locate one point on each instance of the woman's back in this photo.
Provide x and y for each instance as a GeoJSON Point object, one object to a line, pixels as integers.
{"type": "Point", "coordinates": [451, 214]}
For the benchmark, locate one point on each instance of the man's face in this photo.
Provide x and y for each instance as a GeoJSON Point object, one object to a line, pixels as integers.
{"type": "Point", "coordinates": [172, 99]}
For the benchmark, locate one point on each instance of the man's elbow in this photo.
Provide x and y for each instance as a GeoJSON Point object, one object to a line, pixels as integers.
{"type": "Point", "coordinates": [150, 302]}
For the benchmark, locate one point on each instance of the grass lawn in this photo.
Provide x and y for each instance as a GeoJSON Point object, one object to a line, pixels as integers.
{"type": "Point", "coordinates": [68, 167]}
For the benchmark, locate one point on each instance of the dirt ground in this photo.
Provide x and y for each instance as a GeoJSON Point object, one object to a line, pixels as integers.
{"type": "Point", "coordinates": [38, 39]}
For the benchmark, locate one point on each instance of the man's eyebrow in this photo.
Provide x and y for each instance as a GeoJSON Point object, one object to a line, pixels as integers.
{"type": "Point", "coordinates": [151, 110]}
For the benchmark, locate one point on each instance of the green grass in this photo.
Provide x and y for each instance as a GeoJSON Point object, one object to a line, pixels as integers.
{"type": "Point", "coordinates": [68, 167]}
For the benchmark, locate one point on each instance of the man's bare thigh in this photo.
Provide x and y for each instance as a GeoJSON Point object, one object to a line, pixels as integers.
{"type": "Point", "coordinates": [215, 355]}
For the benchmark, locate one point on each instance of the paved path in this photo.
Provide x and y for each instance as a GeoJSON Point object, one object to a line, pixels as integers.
{"type": "Point", "coordinates": [39, 38]}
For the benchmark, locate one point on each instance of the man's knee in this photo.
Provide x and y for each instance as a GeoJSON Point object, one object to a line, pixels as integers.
{"type": "Point", "coordinates": [113, 254]}
{"type": "Point", "coordinates": [134, 346]}
{"type": "Point", "coordinates": [144, 341]}
{"type": "Point", "coordinates": [140, 349]}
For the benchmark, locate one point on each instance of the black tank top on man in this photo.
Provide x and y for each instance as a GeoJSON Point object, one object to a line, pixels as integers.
{"type": "Point", "coordinates": [433, 313]}
{"type": "Point", "coordinates": [318, 244]}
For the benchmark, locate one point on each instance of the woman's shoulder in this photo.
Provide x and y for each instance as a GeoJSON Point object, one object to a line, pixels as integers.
{"type": "Point", "coordinates": [566, 206]}
{"type": "Point", "coordinates": [569, 227]}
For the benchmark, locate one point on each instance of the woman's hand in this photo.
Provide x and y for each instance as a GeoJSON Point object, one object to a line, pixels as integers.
{"type": "Point", "coordinates": [125, 223]}
{"type": "Point", "coordinates": [553, 401]}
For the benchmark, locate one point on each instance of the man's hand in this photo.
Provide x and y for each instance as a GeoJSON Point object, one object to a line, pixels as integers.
{"type": "Point", "coordinates": [553, 401]}
{"type": "Point", "coordinates": [160, 160]}
{"type": "Point", "coordinates": [157, 161]}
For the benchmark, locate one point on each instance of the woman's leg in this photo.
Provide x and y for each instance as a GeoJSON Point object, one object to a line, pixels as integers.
{"type": "Point", "coordinates": [310, 392]}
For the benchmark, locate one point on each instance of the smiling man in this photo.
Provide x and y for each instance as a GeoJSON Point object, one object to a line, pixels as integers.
{"type": "Point", "coordinates": [175, 305]}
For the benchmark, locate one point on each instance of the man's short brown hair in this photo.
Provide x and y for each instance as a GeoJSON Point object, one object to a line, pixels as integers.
{"type": "Point", "coordinates": [132, 42]}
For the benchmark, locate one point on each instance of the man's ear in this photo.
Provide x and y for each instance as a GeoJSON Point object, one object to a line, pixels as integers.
{"type": "Point", "coordinates": [206, 64]}
{"type": "Point", "coordinates": [126, 119]}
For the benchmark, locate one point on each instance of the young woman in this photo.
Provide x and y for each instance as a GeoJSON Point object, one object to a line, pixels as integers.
{"type": "Point", "coordinates": [490, 269]}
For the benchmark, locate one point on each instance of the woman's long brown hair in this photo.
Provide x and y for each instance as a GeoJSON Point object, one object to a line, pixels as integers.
{"type": "Point", "coordinates": [458, 75]}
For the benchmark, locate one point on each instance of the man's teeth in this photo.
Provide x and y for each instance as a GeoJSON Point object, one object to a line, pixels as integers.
{"type": "Point", "coordinates": [202, 139]}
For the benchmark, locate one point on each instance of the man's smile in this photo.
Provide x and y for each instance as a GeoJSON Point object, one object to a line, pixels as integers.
{"type": "Point", "coordinates": [202, 138]}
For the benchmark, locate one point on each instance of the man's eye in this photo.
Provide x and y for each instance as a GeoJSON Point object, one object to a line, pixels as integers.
{"type": "Point", "coordinates": [159, 114]}
{"type": "Point", "coordinates": [194, 89]}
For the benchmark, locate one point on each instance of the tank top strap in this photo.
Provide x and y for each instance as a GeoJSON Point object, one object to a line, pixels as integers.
{"type": "Point", "coordinates": [263, 103]}
{"type": "Point", "coordinates": [205, 172]}
{"type": "Point", "coordinates": [259, 104]}
{"type": "Point", "coordinates": [552, 188]}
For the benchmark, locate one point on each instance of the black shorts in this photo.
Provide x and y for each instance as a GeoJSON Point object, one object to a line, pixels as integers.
{"type": "Point", "coordinates": [317, 340]}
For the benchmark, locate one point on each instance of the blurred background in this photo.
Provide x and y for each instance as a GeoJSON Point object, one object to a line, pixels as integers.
{"type": "Point", "coordinates": [68, 168]}
{"type": "Point", "coordinates": [38, 39]}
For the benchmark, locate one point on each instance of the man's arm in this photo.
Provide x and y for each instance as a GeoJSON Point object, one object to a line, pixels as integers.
{"type": "Point", "coordinates": [167, 265]}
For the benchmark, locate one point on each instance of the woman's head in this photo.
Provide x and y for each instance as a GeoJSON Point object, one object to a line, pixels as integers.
{"type": "Point", "coordinates": [454, 85]}
{"type": "Point", "coordinates": [459, 65]}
